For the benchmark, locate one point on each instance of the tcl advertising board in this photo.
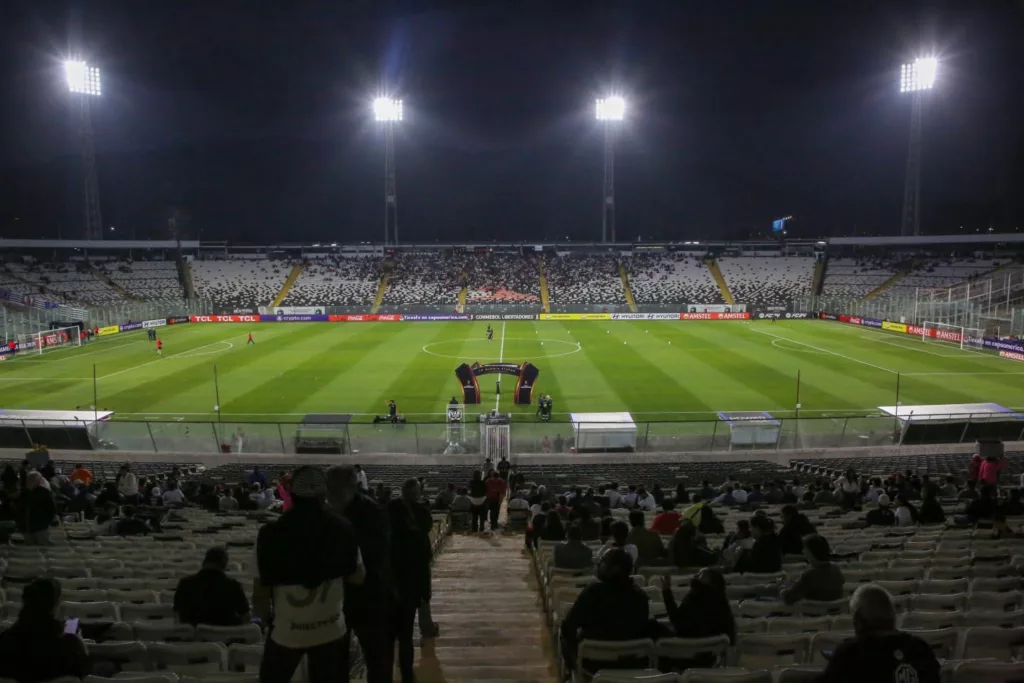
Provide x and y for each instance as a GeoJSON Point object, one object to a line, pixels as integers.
{"type": "Point", "coordinates": [224, 318]}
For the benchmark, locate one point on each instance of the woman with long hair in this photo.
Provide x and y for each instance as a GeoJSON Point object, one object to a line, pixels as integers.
{"type": "Point", "coordinates": [686, 550]}
{"type": "Point", "coordinates": [704, 612]}
{"type": "Point", "coordinates": [553, 529]}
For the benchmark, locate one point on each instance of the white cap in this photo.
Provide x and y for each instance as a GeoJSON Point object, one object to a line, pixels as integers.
{"type": "Point", "coordinates": [883, 500]}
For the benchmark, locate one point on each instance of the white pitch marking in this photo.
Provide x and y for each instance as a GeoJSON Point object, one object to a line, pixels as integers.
{"type": "Point", "coordinates": [160, 360]}
{"type": "Point", "coordinates": [831, 353]}
{"type": "Point", "coordinates": [501, 358]}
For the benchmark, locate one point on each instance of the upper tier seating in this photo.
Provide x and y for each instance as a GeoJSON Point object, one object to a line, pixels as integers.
{"type": "Point", "coordinates": [241, 283]}
{"type": "Point", "coordinates": [146, 279]}
{"type": "Point", "coordinates": [433, 279]}
{"type": "Point", "coordinates": [23, 293]}
{"type": "Point", "coordinates": [588, 280]}
{"type": "Point", "coordinates": [854, 278]}
{"type": "Point", "coordinates": [676, 277]}
{"type": "Point", "coordinates": [940, 274]}
{"type": "Point", "coordinates": [336, 281]}
{"type": "Point", "coordinates": [768, 281]}
{"type": "Point", "coordinates": [501, 278]}
{"type": "Point", "coordinates": [66, 281]}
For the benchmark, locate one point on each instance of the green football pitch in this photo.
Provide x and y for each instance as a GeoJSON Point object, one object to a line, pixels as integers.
{"type": "Point", "coordinates": [658, 371]}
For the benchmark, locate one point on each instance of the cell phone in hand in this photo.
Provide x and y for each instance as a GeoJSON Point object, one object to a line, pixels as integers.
{"type": "Point", "coordinates": [71, 626]}
{"type": "Point", "coordinates": [827, 654]}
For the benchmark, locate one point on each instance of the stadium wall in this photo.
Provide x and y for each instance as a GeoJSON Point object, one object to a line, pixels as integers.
{"type": "Point", "coordinates": [1001, 345]}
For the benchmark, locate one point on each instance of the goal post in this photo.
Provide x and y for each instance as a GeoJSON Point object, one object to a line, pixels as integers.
{"type": "Point", "coordinates": [50, 340]}
{"type": "Point", "coordinates": [970, 337]}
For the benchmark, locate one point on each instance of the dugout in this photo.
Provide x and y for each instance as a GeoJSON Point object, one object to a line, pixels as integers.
{"type": "Point", "coordinates": [323, 433]}
{"type": "Point", "coordinates": [954, 423]}
{"type": "Point", "coordinates": [55, 429]}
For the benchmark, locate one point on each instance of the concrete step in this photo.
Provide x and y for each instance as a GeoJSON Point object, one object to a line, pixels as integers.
{"type": "Point", "coordinates": [489, 656]}
{"type": "Point", "coordinates": [522, 673]}
{"type": "Point", "coordinates": [454, 602]}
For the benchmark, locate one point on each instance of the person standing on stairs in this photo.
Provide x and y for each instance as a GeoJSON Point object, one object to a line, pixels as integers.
{"type": "Point", "coordinates": [411, 554]}
{"type": "Point", "coordinates": [497, 488]}
{"type": "Point", "coordinates": [368, 608]}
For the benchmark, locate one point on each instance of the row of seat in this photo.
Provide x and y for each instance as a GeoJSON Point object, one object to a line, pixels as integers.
{"type": "Point", "coordinates": [952, 671]}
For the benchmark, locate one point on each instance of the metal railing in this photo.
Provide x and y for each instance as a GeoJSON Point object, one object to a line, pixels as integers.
{"type": "Point", "coordinates": [435, 438]}
{"type": "Point", "coordinates": [16, 323]}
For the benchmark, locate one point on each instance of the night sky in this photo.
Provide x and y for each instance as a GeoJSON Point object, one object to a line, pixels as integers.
{"type": "Point", "coordinates": [250, 120]}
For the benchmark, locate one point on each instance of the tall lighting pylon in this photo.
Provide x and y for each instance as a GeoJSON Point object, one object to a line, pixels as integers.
{"type": "Point", "coordinates": [388, 112]}
{"type": "Point", "coordinates": [916, 78]}
{"type": "Point", "coordinates": [83, 85]}
{"type": "Point", "coordinates": [609, 111]}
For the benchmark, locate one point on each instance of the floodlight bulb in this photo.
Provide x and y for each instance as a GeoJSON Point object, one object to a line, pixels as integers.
{"type": "Point", "coordinates": [387, 109]}
{"type": "Point", "coordinates": [610, 108]}
{"type": "Point", "coordinates": [919, 74]}
{"type": "Point", "coordinates": [82, 78]}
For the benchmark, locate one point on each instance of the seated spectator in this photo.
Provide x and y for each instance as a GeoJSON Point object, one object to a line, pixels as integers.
{"type": "Point", "coordinates": [81, 475]}
{"type": "Point", "coordinates": [984, 507]}
{"type": "Point", "coordinates": [644, 500]}
{"type": "Point", "coordinates": [650, 549]}
{"type": "Point", "coordinates": [686, 549]}
{"type": "Point", "coordinates": [789, 497]}
{"type": "Point", "coordinates": [822, 581]}
{"type": "Point", "coordinates": [755, 495]}
{"type": "Point", "coordinates": [906, 513]}
{"type": "Point", "coordinates": [518, 502]}
{"type": "Point", "coordinates": [173, 496]}
{"type": "Point", "coordinates": [824, 496]}
{"type": "Point", "coordinates": [590, 527]}
{"type": "Point", "coordinates": [444, 498]}
{"type": "Point", "coordinates": [665, 523]}
{"type": "Point", "coordinates": [931, 511]}
{"type": "Point", "coordinates": [536, 525]}
{"type": "Point", "coordinates": [882, 515]}
{"type": "Point", "coordinates": [969, 493]}
{"type": "Point", "coordinates": [629, 500]}
{"type": "Point", "coordinates": [703, 612]}
{"type": "Point", "coordinates": [227, 502]}
{"type": "Point", "coordinates": [1014, 506]}
{"type": "Point", "coordinates": [573, 553]}
{"type": "Point", "coordinates": [879, 652]}
{"type": "Point", "coordinates": [795, 526]}
{"type": "Point", "coordinates": [553, 528]}
{"type": "Point", "coordinates": [739, 495]}
{"type": "Point", "coordinates": [765, 555]}
{"type": "Point", "coordinates": [129, 524]}
{"type": "Point", "coordinates": [461, 502]}
{"type": "Point", "coordinates": [950, 490]}
{"type": "Point", "coordinates": [106, 521]}
{"type": "Point", "coordinates": [726, 498]}
{"type": "Point", "coordinates": [36, 648]}
{"type": "Point", "coordinates": [613, 609]}
{"type": "Point", "coordinates": [620, 532]}
{"type": "Point", "coordinates": [737, 542]}
{"type": "Point", "coordinates": [706, 491]}
{"type": "Point", "coordinates": [38, 510]}
{"type": "Point", "coordinates": [211, 596]}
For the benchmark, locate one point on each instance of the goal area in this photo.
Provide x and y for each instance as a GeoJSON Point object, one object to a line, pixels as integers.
{"type": "Point", "coordinates": [964, 337]}
{"type": "Point", "coordinates": [44, 341]}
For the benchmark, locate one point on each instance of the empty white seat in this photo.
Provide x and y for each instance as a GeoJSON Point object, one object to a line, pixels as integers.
{"type": "Point", "coordinates": [667, 650]}
{"type": "Point", "coordinates": [755, 650]}
{"type": "Point", "coordinates": [151, 611]}
{"type": "Point", "coordinates": [725, 675]}
{"type": "Point", "coordinates": [988, 672]}
{"type": "Point", "coordinates": [986, 642]}
{"type": "Point", "coordinates": [164, 630]}
{"type": "Point", "coordinates": [90, 611]}
{"type": "Point", "coordinates": [246, 633]}
{"type": "Point", "coordinates": [610, 652]}
{"type": "Point", "coordinates": [245, 657]}
{"type": "Point", "coordinates": [805, 673]}
{"type": "Point", "coordinates": [944, 641]}
{"type": "Point", "coordinates": [129, 656]}
{"type": "Point", "coordinates": [193, 659]}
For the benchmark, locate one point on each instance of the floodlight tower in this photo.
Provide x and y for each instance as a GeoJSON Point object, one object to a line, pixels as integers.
{"type": "Point", "coordinates": [84, 84]}
{"type": "Point", "coordinates": [916, 78]}
{"type": "Point", "coordinates": [609, 111]}
{"type": "Point", "coordinates": [388, 111]}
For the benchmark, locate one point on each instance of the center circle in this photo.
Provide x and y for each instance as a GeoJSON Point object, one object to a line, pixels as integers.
{"type": "Point", "coordinates": [573, 347]}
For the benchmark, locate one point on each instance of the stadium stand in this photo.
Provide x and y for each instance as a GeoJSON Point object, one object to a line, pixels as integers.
{"type": "Point", "coordinates": [20, 290]}
{"type": "Point", "coordinates": [847, 277]}
{"type": "Point", "coordinates": [243, 283]}
{"type": "Point", "coordinates": [676, 277]}
{"type": "Point", "coordinates": [336, 281]}
{"type": "Point", "coordinates": [66, 281]}
{"type": "Point", "coordinates": [501, 278]}
{"type": "Point", "coordinates": [768, 281]}
{"type": "Point", "coordinates": [940, 274]}
{"type": "Point", "coordinates": [588, 280]}
{"type": "Point", "coordinates": [426, 279]}
{"type": "Point", "coordinates": [146, 279]}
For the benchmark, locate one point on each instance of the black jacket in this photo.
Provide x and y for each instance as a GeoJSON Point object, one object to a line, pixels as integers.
{"type": "Point", "coordinates": [38, 509]}
{"type": "Point", "coordinates": [791, 535]}
{"type": "Point", "coordinates": [373, 535]}
{"type": "Point", "coordinates": [765, 557]}
{"type": "Point", "coordinates": [410, 550]}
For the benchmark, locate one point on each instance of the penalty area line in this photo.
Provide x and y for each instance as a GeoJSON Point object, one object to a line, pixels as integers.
{"type": "Point", "coordinates": [831, 353]}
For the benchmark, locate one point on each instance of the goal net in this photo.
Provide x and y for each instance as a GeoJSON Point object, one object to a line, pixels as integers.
{"type": "Point", "coordinates": [964, 337]}
{"type": "Point", "coordinates": [49, 340]}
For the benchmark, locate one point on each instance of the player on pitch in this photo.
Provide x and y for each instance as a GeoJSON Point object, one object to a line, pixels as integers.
{"type": "Point", "coordinates": [159, 347]}
{"type": "Point", "coordinates": [251, 340]}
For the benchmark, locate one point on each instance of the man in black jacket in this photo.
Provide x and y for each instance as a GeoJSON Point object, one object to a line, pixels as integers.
{"type": "Point", "coordinates": [38, 509]}
{"type": "Point", "coordinates": [795, 526]}
{"type": "Point", "coordinates": [879, 652]}
{"type": "Point", "coordinates": [368, 608]}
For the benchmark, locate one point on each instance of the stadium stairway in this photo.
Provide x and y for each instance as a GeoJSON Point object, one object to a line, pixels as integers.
{"type": "Point", "coordinates": [624, 276]}
{"type": "Point", "coordinates": [462, 298]}
{"type": "Point", "coordinates": [723, 286]}
{"type": "Point", "coordinates": [185, 273]}
{"type": "Point", "coordinates": [819, 276]}
{"type": "Point", "coordinates": [487, 604]}
{"type": "Point", "coordinates": [545, 295]}
{"type": "Point", "coordinates": [902, 273]}
{"type": "Point", "coordinates": [382, 287]}
{"type": "Point", "coordinates": [289, 282]}
{"type": "Point", "coordinates": [100, 275]}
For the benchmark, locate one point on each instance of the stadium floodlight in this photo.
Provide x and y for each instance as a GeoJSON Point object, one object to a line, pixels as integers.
{"type": "Point", "coordinates": [387, 109]}
{"type": "Point", "coordinates": [919, 74]}
{"type": "Point", "coordinates": [82, 78]}
{"type": "Point", "coordinates": [609, 111]}
{"type": "Point", "coordinates": [610, 108]}
{"type": "Point", "coordinates": [916, 78]}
